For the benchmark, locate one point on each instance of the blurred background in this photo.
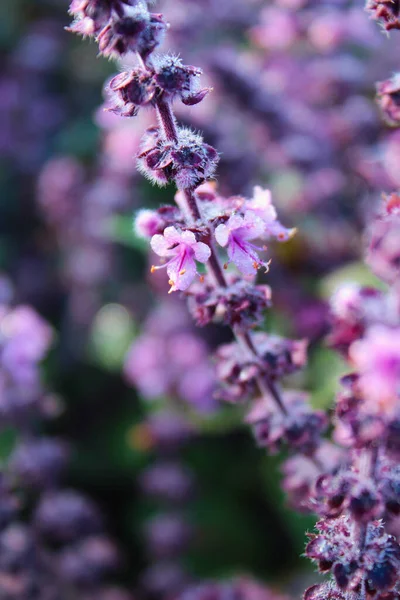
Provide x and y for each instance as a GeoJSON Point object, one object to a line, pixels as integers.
{"type": "Point", "coordinates": [185, 493]}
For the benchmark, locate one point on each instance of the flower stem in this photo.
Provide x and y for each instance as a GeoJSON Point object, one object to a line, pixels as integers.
{"type": "Point", "coordinates": [167, 120]}
{"type": "Point", "coordinates": [265, 383]}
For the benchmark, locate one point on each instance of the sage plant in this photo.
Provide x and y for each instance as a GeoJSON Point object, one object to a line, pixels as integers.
{"type": "Point", "coordinates": [203, 224]}
{"type": "Point", "coordinates": [358, 502]}
{"type": "Point", "coordinates": [355, 492]}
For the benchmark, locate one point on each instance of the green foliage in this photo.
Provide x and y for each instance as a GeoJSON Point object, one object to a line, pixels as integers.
{"type": "Point", "coordinates": [111, 334]}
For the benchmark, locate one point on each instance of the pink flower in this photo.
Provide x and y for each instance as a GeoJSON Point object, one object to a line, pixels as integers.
{"type": "Point", "coordinates": [377, 358]}
{"type": "Point", "coordinates": [261, 205]}
{"type": "Point", "coordinates": [235, 235]}
{"type": "Point", "coordinates": [184, 250]}
{"type": "Point", "coordinates": [147, 223]}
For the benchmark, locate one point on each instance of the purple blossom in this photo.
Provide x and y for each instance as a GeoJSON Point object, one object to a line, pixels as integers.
{"type": "Point", "coordinates": [39, 462]}
{"type": "Point", "coordinates": [235, 235]}
{"type": "Point", "coordinates": [261, 205]}
{"type": "Point", "coordinates": [129, 90]}
{"type": "Point", "coordinates": [238, 370]}
{"type": "Point", "coordinates": [185, 250]}
{"type": "Point", "coordinates": [173, 78]}
{"type": "Point", "coordinates": [301, 473]}
{"type": "Point", "coordinates": [240, 588]}
{"type": "Point", "coordinates": [167, 535]}
{"type": "Point", "coordinates": [88, 560]}
{"type": "Point", "coordinates": [187, 160]}
{"type": "Point", "coordinates": [148, 223]}
{"type": "Point", "coordinates": [383, 254]}
{"type": "Point", "coordinates": [377, 359]}
{"type": "Point", "coordinates": [373, 568]}
{"type": "Point", "coordinates": [25, 338]}
{"type": "Point", "coordinates": [388, 93]}
{"type": "Point", "coordinates": [66, 515]}
{"type": "Point", "coordinates": [239, 303]}
{"type": "Point", "coordinates": [165, 430]}
{"type": "Point", "coordinates": [300, 428]}
{"type": "Point", "coordinates": [308, 133]}
{"type": "Point", "coordinates": [353, 308]}
{"type": "Point", "coordinates": [386, 11]}
{"type": "Point", "coordinates": [120, 26]}
{"type": "Point", "coordinates": [171, 362]}
{"type": "Point", "coordinates": [168, 481]}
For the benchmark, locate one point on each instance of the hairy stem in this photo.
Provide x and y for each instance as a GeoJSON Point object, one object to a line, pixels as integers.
{"type": "Point", "coordinates": [265, 383]}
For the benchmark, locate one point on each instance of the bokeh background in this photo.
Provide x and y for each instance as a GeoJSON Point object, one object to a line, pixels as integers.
{"type": "Point", "coordinates": [292, 109]}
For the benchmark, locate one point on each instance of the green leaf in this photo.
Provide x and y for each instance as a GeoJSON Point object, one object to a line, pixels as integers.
{"type": "Point", "coordinates": [111, 335]}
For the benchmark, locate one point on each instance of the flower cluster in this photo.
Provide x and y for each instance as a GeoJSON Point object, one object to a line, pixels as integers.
{"type": "Point", "coordinates": [386, 11]}
{"type": "Point", "coordinates": [241, 588]}
{"type": "Point", "coordinates": [140, 87]}
{"type": "Point", "coordinates": [120, 26]}
{"type": "Point", "coordinates": [48, 535]}
{"type": "Point", "coordinates": [168, 360]}
{"type": "Point", "coordinates": [203, 228]}
{"type": "Point", "coordinates": [356, 491]}
{"type": "Point", "coordinates": [167, 532]}
{"type": "Point", "coordinates": [233, 223]}
{"type": "Point", "coordinates": [370, 569]}
{"type": "Point", "coordinates": [384, 246]}
{"type": "Point", "coordinates": [187, 160]}
{"type": "Point", "coordinates": [388, 93]}
{"type": "Point", "coordinates": [238, 370]}
{"type": "Point", "coordinates": [358, 499]}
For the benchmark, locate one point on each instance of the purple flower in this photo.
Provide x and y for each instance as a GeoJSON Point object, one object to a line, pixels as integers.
{"type": "Point", "coordinates": [377, 359]}
{"type": "Point", "coordinates": [261, 205]}
{"type": "Point", "coordinates": [185, 250]}
{"type": "Point", "coordinates": [387, 11]}
{"type": "Point", "coordinates": [300, 429]}
{"type": "Point", "coordinates": [239, 303]}
{"type": "Point", "coordinates": [388, 93]}
{"type": "Point", "coordinates": [167, 535]}
{"type": "Point", "coordinates": [237, 370]}
{"type": "Point", "coordinates": [167, 78]}
{"type": "Point", "coordinates": [148, 223]}
{"type": "Point", "coordinates": [235, 235]}
{"type": "Point", "coordinates": [87, 561]}
{"type": "Point", "coordinates": [384, 248]}
{"type": "Point", "coordinates": [301, 472]}
{"type": "Point", "coordinates": [120, 26]}
{"type": "Point", "coordinates": [187, 160]}
{"type": "Point", "coordinates": [129, 90]}
{"type": "Point", "coordinates": [39, 462]}
{"type": "Point", "coordinates": [26, 337]}
{"type": "Point", "coordinates": [66, 515]}
{"type": "Point", "coordinates": [375, 566]}
{"type": "Point", "coordinates": [353, 308]}
{"type": "Point", "coordinates": [176, 79]}
{"type": "Point", "coordinates": [239, 588]}
{"type": "Point", "coordinates": [168, 481]}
